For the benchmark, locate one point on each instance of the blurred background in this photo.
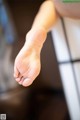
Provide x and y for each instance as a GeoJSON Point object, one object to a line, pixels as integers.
{"type": "Point", "coordinates": [45, 98]}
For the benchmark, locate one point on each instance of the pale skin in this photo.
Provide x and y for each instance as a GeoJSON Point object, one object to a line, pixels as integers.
{"type": "Point", "coordinates": [27, 64]}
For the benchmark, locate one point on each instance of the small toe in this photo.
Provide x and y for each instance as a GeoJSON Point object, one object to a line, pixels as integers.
{"type": "Point", "coordinates": [16, 72]}
{"type": "Point", "coordinates": [17, 79]}
{"type": "Point", "coordinates": [21, 81]}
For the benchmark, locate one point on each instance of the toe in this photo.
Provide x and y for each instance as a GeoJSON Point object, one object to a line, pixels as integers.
{"type": "Point", "coordinates": [27, 82]}
{"type": "Point", "coordinates": [21, 81]}
{"type": "Point", "coordinates": [16, 72]}
{"type": "Point", "coordinates": [18, 79]}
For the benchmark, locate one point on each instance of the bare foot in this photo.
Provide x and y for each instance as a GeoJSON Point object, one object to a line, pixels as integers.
{"type": "Point", "coordinates": [27, 63]}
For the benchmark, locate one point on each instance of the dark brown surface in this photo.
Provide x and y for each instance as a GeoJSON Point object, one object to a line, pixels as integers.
{"type": "Point", "coordinates": [42, 105]}
{"type": "Point", "coordinates": [23, 14]}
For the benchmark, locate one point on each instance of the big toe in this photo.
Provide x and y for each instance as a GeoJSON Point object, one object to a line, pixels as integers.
{"type": "Point", "coordinates": [27, 82]}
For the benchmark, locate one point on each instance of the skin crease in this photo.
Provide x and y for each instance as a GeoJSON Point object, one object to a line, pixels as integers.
{"type": "Point", "coordinates": [68, 9]}
{"type": "Point", "coordinates": [27, 64]}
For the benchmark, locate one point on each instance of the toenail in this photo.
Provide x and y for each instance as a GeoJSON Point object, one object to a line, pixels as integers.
{"type": "Point", "coordinates": [27, 82]}
{"type": "Point", "coordinates": [18, 79]}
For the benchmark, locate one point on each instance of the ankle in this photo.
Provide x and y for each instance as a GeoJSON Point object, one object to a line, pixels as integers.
{"type": "Point", "coordinates": [36, 37]}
